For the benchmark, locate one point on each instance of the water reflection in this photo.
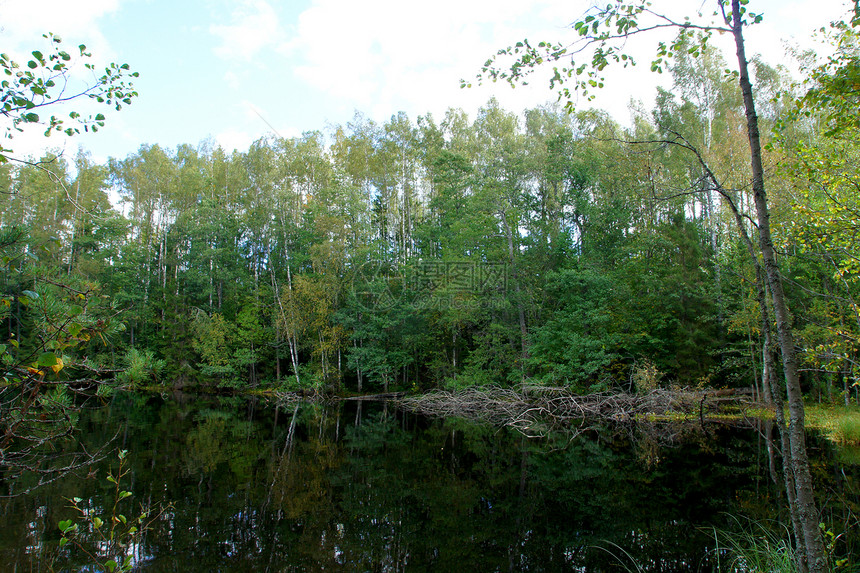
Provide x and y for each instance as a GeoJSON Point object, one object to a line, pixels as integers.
{"type": "Point", "coordinates": [365, 487]}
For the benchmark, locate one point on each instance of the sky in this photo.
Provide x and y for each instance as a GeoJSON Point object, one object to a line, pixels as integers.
{"type": "Point", "coordinates": [231, 72]}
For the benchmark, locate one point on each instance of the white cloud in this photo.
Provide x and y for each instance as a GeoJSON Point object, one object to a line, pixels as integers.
{"type": "Point", "coordinates": [381, 56]}
{"type": "Point", "coordinates": [231, 140]}
{"type": "Point", "coordinates": [391, 55]}
{"type": "Point", "coordinates": [232, 80]}
{"type": "Point", "coordinates": [256, 124]}
{"type": "Point", "coordinates": [254, 26]}
{"type": "Point", "coordinates": [76, 23]}
{"type": "Point", "coordinates": [73, 21]}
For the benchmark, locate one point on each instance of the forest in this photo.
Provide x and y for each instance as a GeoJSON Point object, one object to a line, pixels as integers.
{"type": "Point", "coordinates": [551, 247]}
{"type": "Point", "coordinates": [554, 250]}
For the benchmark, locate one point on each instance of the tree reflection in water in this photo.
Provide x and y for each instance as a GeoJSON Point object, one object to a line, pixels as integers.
{"type": "Point", "coordinates": [365, 487]}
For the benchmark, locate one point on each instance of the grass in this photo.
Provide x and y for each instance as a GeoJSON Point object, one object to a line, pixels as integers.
{"type": "Point", "coordinates": [840, 424]}
{"type": "Point", "coordinates": [849, 455]}
{"type": "Point", "coordinates": [756, 547]}
{"type": "Point", "coordinates": [749, 546]}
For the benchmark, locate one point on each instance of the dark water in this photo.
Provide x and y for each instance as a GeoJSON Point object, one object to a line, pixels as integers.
{"type": "Point", "coordinates": [366, 487]}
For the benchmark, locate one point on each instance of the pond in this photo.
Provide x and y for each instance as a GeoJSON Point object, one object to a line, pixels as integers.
{"type": "Point", "coordinates": [247, 485]}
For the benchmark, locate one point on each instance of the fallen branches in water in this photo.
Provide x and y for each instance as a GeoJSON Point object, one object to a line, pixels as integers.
{"type": "Point", "coordinates": [534, 410]}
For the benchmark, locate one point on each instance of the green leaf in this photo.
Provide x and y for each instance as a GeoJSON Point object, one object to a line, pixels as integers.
{"type": "Point", "coordinates": [75, 310]}
{"type": "Point", "coordinates": [110, 564]}
{"type": "Point", "coordinates": [47, 359]}
{"type": "Point", "coordinates": [65, 525]}
{"type": "Point", "coordinates": [97, 522]}
{"type": "Point", "coordinates": [63, 541]}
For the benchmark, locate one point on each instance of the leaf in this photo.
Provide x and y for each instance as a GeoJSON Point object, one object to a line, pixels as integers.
{"type": "Point", "coordinates": [97, 522]}
{"type": "Point", "coordinates": [48, 359]}
{"type": "Point", "coordinates": [65, 525]}
{"type": "Point", "coordinates": [110, 564]}
{"type": "Point", "coordinates": [75, 310]}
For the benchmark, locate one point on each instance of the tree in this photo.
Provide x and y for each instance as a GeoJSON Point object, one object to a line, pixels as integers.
{"type": "Point", "coordinates": [825, 205]}
{"type": "Point", "coordinates": [605, 30]}
{"type": "Point", "coordinates": [576, 343]}
{"type": "Point", "coordinates": [835, 83]}
{"type": "Point", "coordinates": [53, 321]}
{"type": "Point", "coordinates": [46, 82]}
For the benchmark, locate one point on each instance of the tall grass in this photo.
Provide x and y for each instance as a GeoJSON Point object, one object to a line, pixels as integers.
{"type": "Point", "coordinates": [847, 428]}
{"type": "Point", "coordinates": [755, 547]}
{"type": "Point", "coordinates": [840, 424]}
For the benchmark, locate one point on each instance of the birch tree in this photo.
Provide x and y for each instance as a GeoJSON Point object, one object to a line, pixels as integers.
{"type": "Point", "coordinates": [604, 32]}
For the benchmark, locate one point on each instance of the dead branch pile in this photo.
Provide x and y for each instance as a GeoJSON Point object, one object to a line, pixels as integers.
{"type": "Point", "coordinates": [534, 409]}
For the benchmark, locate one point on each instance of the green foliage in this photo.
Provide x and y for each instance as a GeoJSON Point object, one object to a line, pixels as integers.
{"type": "Point", "coordinates": [604, 30]}
{"type": "Point", "coordinates": [45, 82]}
{"type": "Point", "coordinates": [139, 368]}
{"type": "Point", "coordinates": [251, 268]}
{"type": "Point", "coordinates": [107, 540]}
{"type": "Point", "coordinates": [833, 84]}
{"type": "Point", "coordinates": [52, 325]}
{"type": "Point", "coordinates": [579, 340]}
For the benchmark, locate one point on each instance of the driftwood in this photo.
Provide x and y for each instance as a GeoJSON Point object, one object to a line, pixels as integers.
{"type": "Point", "coordinates": [289, 398]}
{"type": "Point", "coordinates": [375, 397]}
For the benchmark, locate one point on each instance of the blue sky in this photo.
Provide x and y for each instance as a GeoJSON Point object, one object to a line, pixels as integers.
{"type": "Point", "coordinates": [209, 67]}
